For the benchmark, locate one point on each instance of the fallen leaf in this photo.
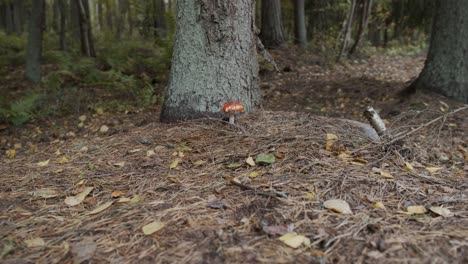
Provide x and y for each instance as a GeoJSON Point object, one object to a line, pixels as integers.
{"type": "Point", "coordinates": [83, 251]}
{"type": "Point", "coordinates": [82, 118]}
{"type": "Point", "coordinates": [43, 163]}
{"type": "Point", "coordinates": [124, 200]}
{"type": "Point", "coordinates": [250, 161]}
{"type": "Point", "coordinates": [339, 206]}
{"type": "Point", "coordinates": [150, 153]}
{"type": "Point", "coordinates": [379, 205]}
{"type": "Point", "coordinates": [77, 199]}
{"type": "Point", "coordinates": [134, 150]}
{"type": "Point", "coordinates": [119, 164]}
{"type": "Point", "coordinates": [174, 164]}
{"type": "Point", "coordinates": [104, 129]}
{"type": "Point", "coordinates": [58, 152]}
{"type": "Point", "coordinates": [310, 196]}
{"type": "Point", "coordinates": [135, 199]}
{"type": "Point", "coordinates": [441, 211]}
{"type": "Point", "coordinates": [332, 137]}
{"type": "Point", "coordinates": [233, 165]}
{"type": "Point", "coordinates": [254, 174]}
{"type": "Point", "coordinates": [173, 180]}
{"type": "Point", "coordinates": [183, 148]}
{"type": "Point", "coordinates": [416, 209]}
{"type": "Point", "coordinates": [386, 175]}
{"type": "Point", "coordinates": [433, 169]}
{"type": "Point", "coordinates": [360, 160]}
{"type": "Point", "coordinates": [199, 162]}
{"type": "Point", "coordinates": [217, 204]}
{"type": "Point", "coordinates": [265, 158]}
{"type": "Point", "coordinates": [117, 194]}
{"type": "Point", "coordinates": [35, 242]}
{"type": "Point", "coordinates": [409, 167]}
{"type": "Point", "coordinates": [81, 182]}
{"type": "Point", "coordinates": [101, 208]}
{"type": "Point", "coordinates": [11, 153]}
{"type": "Point", "coordinates": [45, 193]}
{"type": "Point", "coordinates": [292, 239]}
{"type": "Point", "coordinates": [152, 227]}
{"type": "Point", "coordinates": [62, 160]}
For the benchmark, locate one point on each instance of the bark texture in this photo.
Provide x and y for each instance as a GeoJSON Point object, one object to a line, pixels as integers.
{"type": "Point", "coordinates": [214, 61]}
{"type": "Point", "coordinates": [271, 33]}
{"type": "Point", "coordinates": [299, 23]}
{"type": "Point", "coordinates": [35, 36]}
{"type": "Point", "coordinates": [446, 68]}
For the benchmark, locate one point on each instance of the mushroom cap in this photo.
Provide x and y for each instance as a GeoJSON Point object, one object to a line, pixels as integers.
{"type": "Point", "coordinates": [233, 107]}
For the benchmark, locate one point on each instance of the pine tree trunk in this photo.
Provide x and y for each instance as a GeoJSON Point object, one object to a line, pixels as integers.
{"type": "Point", "coordinates": [272, 25]}
{"type": "Point", "coordinates": [299, 23]}
{"type": "Point", "coordinates": [446, 68]}
{"type": "Point", "coordinates": [63, 23]}
{"type": "Point", "coordinates": [215, 59]}
{"type": "Point", "coordinates": [35, 36]}
{"type": "Point", "coordinates": [86, 40]}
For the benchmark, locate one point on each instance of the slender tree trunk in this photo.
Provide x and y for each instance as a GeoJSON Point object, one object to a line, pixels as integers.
{"type": "Point", "coordinates": [272, 25]}
{"type": "Point", "coordinates": [35, 36]}
{"type": "Point", "coordinates": [9, 22]}
{"type": "Point", "coordinates": [159, 19]}
{"type": "Point", "coordinates": [365, 14]}
{"type": "Point", "coordinates": [75, 20]}
{"type": "Point", "coordinates": [55, 16]}
{"type": "Point", "coordinates": [100, 11]}
{"type": "Point", "coordinates": [299, 23]}
{"type": "Point", "coordinates": [17, 16]}
{"type": "Point", "coordinates": [347, 30]}
{"type": "Point", "coordinates": [87, 42]}
{"type": "Point", "coordinates": [446, 68]}
{"type": "Point", "coordinates": [215, 60]}
{"type": "Point", "coordinates": [63, 23]}
{"type": "Point", "coordinates": [109, 15]}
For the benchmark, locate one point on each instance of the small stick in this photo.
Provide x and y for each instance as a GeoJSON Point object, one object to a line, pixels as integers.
{"type": "Point", "coordinates": [246, 187]}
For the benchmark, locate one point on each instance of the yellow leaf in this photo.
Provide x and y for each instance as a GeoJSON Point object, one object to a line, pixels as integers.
{"type": "Point", "coordinates": [11, 153]}
{"type": "Point", "coordinates": [58, 171]}
{"type": "Point", "coordinates": [360, 160]}
{"type": "Point", "coordinates": [254, 174]}
{"type": "Point", "coordinates": [135, 199]}
{"type": "Point", "coordinates": [292, 239]}
{"type": "Point", "coordinates": [82, 118]}
{"type": "Point", "coordinates": [152, 227]}
{"type": "Point", "coordinates": [379, 205]}
{"type": "Point", "coordinates": [433, 169]}
{"type": "Point", "coordinates": [416, 209]}
{"type": "Point", "coordinates": [43, 163]}
{"type": "Point", "coordinates": [343, 156]}
{"type": "Point", "coordinates": [62, 160]}
{"type": "Point", "coordinates": [57, 152]}
{"type": "Point", "coordinates": [250, 161]}
{"type": "Point", "coordinates": [331, 137]}
{"type": "Point", "coordinates": [199, 162]}
{"type": "Point", "coordinates": [339, 206]}
{"type": "Point", "coordinates": [174, 164]}
{"type": "Point", "coordinates": [77, 199]}
{"type": "Point", "coordinates": [17, 146]}
{"type": "Point", "coordinates": [45, 193]}
{"type": "Point", "coordinates": [101, 208]}
{"type": "Point", "coordinates": [134, 150]}
{"type": "Point", "coordinates": [310, 196]}
{"type": "Point", "coordinates": [441, 211]}
{"type": "Point", "coordinates": [124, 200]}
{"type": "Point", "coordinates": [80, 182]}
{"type": "Point", "coordinates": [116, 194]}
{"type": "Point", "coordinates": [119, 164]}
{"type": "Point", "coordinates": [386, 174]}
{"type": "Point", "coordinates": [35, 242]}
{"type": "Point", "coordinates": [409, 167]}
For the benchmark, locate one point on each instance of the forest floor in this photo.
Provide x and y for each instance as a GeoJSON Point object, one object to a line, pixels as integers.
{"type": "Point", "coordinates": [123, 188]}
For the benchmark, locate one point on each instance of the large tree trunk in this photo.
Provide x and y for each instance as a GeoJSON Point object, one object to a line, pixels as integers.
{"type": "Point", "coordinates": [446, 68]}
{"type": "Point", "coordinates": [34, 49]}
{"type": "Point", "coordinates": [299, 23]}
{"type": "Point", "coordinates": [215, 59]}
{"type": "Point", "coordinates": [272, 25]}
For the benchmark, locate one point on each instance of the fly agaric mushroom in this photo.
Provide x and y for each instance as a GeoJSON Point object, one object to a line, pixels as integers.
{"type": "Point", "coordinates": [232, 108]}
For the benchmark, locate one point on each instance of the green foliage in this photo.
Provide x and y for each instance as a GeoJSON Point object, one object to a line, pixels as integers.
{"type": "Point", "coordinates": [22, 110]}
{"type": "Point", "coordinates": [12, 49]}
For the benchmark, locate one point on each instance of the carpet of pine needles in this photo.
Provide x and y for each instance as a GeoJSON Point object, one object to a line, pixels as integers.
{"type": "Point", "coordinates": [183, 175]}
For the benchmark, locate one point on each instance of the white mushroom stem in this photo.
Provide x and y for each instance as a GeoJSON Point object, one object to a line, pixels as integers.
{"type": "Point", "coordinates": [232, 118]}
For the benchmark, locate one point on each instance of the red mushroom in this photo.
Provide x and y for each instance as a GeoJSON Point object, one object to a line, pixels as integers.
{"type": "Point", "coordinates": [232, 108]}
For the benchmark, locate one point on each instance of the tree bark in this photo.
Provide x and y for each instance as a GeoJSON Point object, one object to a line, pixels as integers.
{"type": "Point", "coordinates": [215, 59]}
{"type": "Point", "coordinates": [17, 16]}
{"type": "Point", "coordinates": [63, 23]}
{"type": "Point", "coordinates": [159, 19]}
{"type": "Point", "coordinates": [35, 37]}
{"type": "Point", "coordinates": [271, 33]}
{"type": "Point", "coordinates": [86, 40]}
{"type": "Point", "coordinates": [299, 23]}
{"type": "Point", "coordinates": [9, 22]}
{"type": "Point", "coordinates": [347, 30]}
{"type": "Point", "coordinates": [446, 68]}
{"type": "Point", "coordinates": [364, 21]}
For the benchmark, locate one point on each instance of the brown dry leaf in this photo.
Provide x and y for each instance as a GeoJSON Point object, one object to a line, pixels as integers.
{"type": "Point", "coordinates": [386, 175]}
{"type": "Point", "coordinates": [11, 153]}
{"type": "Point", "coordinates": [441, 211]}
{"type": "Point", "coordinates": [43, 163]}
{"type": "Point", "coordinates": [58, 171]}
{"type": "Point", "coordinates": [360, 160]}
{"type": "Point", "coordinates": [433, 169]}
{"type": "Point", "coordinates": [339, 206]}
{"type": "Point", "coordinates": [77, 199]}
{"type": "Point", "coordinates": [250, 161]}
{"type": "Point", "coordinates": [174, 164]}
{"type": "Point", "coordinates": [152, 227]}
{"type": "Point", "coordinates": [293, 239]}
{"type": "Point", "coordinates": [416, 209]}
{"type": "Point", "coordinates": [409, 167]}
{"type": "Point", "coordinates": [117, 194]}
{"type": "Point", "coordinates": [45, 193]}
{"type": "Point", "coordinates": [101, 208]}
{"type": "Point", "coordinates": [35, 242]}
{"type": "Point", "coordinates": [62, 160]}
